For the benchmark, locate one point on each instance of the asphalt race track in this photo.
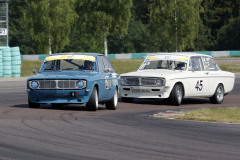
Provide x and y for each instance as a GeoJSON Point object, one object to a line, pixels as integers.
{"type": "Point", "coordinates": [73, 133]}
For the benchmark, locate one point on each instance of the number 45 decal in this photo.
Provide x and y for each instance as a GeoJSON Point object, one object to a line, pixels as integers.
{"type": "Point", "coordinates": [199, 85]}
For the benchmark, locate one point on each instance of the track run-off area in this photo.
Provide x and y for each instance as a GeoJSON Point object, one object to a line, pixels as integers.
{"type": "Point", "coordinates": [129, 133]}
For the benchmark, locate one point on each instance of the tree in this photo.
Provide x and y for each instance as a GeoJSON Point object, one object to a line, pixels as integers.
{"type": "Point", "coordinates": [229, 36]}
{"type": "Point", "coordinates": [102, 17]}
{"type": "Point", "coordinates": [18, 33]}
{"type": "Point", "coordinates": [50, 20]}
{"type": "Point", "coordinates": [218, 13]}
{"type": "Point", "coordinates": [176, 21]}
{"type": "Point", "coordinates": [138, 37]}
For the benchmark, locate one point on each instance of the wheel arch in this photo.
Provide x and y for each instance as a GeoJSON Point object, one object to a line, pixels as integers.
{"type": "Point", "coordinates": [222, 85]}
{"type": "Point", "coordinates": [181, 85]}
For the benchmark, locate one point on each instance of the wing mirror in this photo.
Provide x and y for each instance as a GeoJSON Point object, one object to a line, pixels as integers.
{"type": "Point", "coordinates": [106, 70]}
{"type": "Point", "coordinates": [195, 68]}
{"type": "Point", "coordinates": [34, 71]}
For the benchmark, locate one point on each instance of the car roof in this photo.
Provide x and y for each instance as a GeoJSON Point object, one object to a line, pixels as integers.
{"type": "Point", "coordinates": [184, 54]}
{"type": "Point", "coordinates": [77, 53]}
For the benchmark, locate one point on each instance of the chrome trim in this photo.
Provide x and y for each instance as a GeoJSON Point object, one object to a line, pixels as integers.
{"type": "Point", "coordinates": [142, 81]}
{"type": "Point", "coordinates": [57, 84]}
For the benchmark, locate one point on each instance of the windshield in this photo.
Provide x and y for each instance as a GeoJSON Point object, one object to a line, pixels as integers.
{"type": "Point", "coordinates": [68, 64]}
{"type": "Point", "coordinates": [164, 64]}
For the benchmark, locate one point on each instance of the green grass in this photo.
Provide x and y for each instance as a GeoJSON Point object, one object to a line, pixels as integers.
{"type": "Point", "coordinates": [124, 66]}
{"type": "Point", "coordinates": [27, 67]}
{"type": "Point", "coordinates": [225, 114]}
{"type": "Point", "coordinates": [231, 67]}
{"type": "Point", "coordinates": [120, 66]}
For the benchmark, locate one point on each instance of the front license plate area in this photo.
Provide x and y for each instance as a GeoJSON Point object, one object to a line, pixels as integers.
{"type": "Point", "coordinates": [140, 90]}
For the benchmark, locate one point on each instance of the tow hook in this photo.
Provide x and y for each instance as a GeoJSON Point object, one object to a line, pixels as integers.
{"type": "Point", "coordinates": [73, 94]}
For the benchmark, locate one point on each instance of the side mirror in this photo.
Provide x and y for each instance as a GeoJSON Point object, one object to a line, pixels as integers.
{"type": "Point", "coordinates": [34, 71]}
{"type": "Point", "coordinates": [195, 68]}
{"type": "Point", "coordinates": [107, 70]}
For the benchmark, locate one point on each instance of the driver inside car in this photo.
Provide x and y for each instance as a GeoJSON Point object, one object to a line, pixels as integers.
{"type": "Point", "coordinates": [88, 65]}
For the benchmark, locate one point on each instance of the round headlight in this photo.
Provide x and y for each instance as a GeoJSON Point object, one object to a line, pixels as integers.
{"type": "Point", "coordinates": [80, 84]}
{"type": "Point", "coordinates": [34, 84]}
{"type": "Point", "coordinates": [159, 82]}
{"type": "Point", "coordinates": [123, 81]}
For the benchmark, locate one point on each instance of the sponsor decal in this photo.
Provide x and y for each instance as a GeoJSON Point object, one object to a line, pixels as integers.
{"type": "Point", "coordinates": [70, 56]}
{"type": "Point", "coordinates": [107, 82]}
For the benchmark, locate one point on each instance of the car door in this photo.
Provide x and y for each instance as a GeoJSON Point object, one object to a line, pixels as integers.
{"type": "Point", "coordinates": [105, 80]}
{"type": "Point", "coordinates": [110, 78]}
{"type": "Point", "coordinates": [198, 83]}
{"type": "Point", "coordinates": [211, 73]}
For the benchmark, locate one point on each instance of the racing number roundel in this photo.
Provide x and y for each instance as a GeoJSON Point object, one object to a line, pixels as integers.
{"type": "Point", "coordinates": [199, 85]}
{"type": "Point", "coordinates": [107, 82]}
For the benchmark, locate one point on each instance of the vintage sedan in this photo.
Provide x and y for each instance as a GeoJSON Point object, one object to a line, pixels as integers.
{"type": "Point", "coordinates": [74, 78]}
{"type": "Point", "coordinates": [175, 76]}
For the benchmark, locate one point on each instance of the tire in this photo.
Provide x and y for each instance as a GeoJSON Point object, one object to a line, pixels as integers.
{"type": "Point", "coordinates": [15, 49]}
{"type": "Point", "coordinates": [6, 59]}
{"type": "Point", "coordinates": [33, 105]}
{"type": "Point", "coordinates": [7, 72]}
{"type": "Point", "coordinates": [15, 53]}
{"type": "Point", "coordinates": [16, 75]}
{"type": "Point", "coordinates": [16, 69]}
{"type": "Point", "coordinates": [218, 96]}
{"type": "Point", "coordinates": [16, 58]}
{"type": "Point", "coordinates": [7, 75]}
{"type": "Point", "coordinates": [7, 67]}
{"type": "Point", "coordinates": [8, 63]}
{"type": "Point", "coordinates": [16, 62]}
{"type": "Point", "coordinates": [6, 54]}
{"type": "Point", "coordinates": [127, 100]}
{"type": "Point", "coordinates": [92, 104]}
{"type": "Point", "coordinates": [176, 95]}
{"type": "Point", "coordinates": [112, 104]}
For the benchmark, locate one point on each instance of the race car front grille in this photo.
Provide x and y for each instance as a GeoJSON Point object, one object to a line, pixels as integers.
{"type": "Point", "coordinates": [141, 81]}
{"type": "Point", "coordinates": [132, 81]}
{"type": "Point", "coordinates": [57, 84]}
{"type": "Point", "coordinates": [148, 81]}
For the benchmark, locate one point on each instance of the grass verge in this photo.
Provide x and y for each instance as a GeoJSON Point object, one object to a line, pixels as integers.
{"type": "Point", "coordinates": [231, 67]}
{"type": "Point", "coordinates": [27, 67]}
{"type": "Point", "coordinates": [121, 66]}
{"type": "Point", "coordinates": [223, 114]}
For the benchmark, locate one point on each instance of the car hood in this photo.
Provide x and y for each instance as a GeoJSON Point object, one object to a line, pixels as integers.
{"type": "Point", "coordinates": [155, 73]}
{"type": "Point", "coordinates": [64, 75]}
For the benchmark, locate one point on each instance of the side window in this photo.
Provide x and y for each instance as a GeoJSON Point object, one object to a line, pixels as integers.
{"type": "Point", "coordinates": [100, 63]}
{"type": "Point", "coordinates": [196, 64]}
{"type": "Point", "coordinates": [209, 64]}
{"type": "Point", "coordinates": [50, 65]}
{"type": "Point", "coordinates": [107, 63]}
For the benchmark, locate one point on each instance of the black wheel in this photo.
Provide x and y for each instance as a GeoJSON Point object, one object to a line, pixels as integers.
{"type": "Point", "coordinates": [33, 105]}
{"type": "Point", "coordinates": [128, 100]}
{"type": "Point", "coordinates": [112, 104]}
{"type": "Point", "coordinates": [218, 96]}
{"type": "Point", "coordinates": [176, 95]}
{"type": "Point", "coordinates": [92, 104]}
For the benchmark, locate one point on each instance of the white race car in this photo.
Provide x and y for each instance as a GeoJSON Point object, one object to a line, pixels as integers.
{"type": "Point", "coordinates": [175, 76]}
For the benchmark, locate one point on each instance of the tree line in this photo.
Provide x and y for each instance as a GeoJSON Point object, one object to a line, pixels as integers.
{"type": "Point", "coordinates": [123, 26]}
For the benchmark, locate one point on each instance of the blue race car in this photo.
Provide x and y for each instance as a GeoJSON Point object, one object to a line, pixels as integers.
{"type": "Point", "coordinates": [74, 78]}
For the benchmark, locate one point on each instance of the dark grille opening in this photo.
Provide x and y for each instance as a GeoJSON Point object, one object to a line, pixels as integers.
{"type": "Point", "coordinates": [57, 84]}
